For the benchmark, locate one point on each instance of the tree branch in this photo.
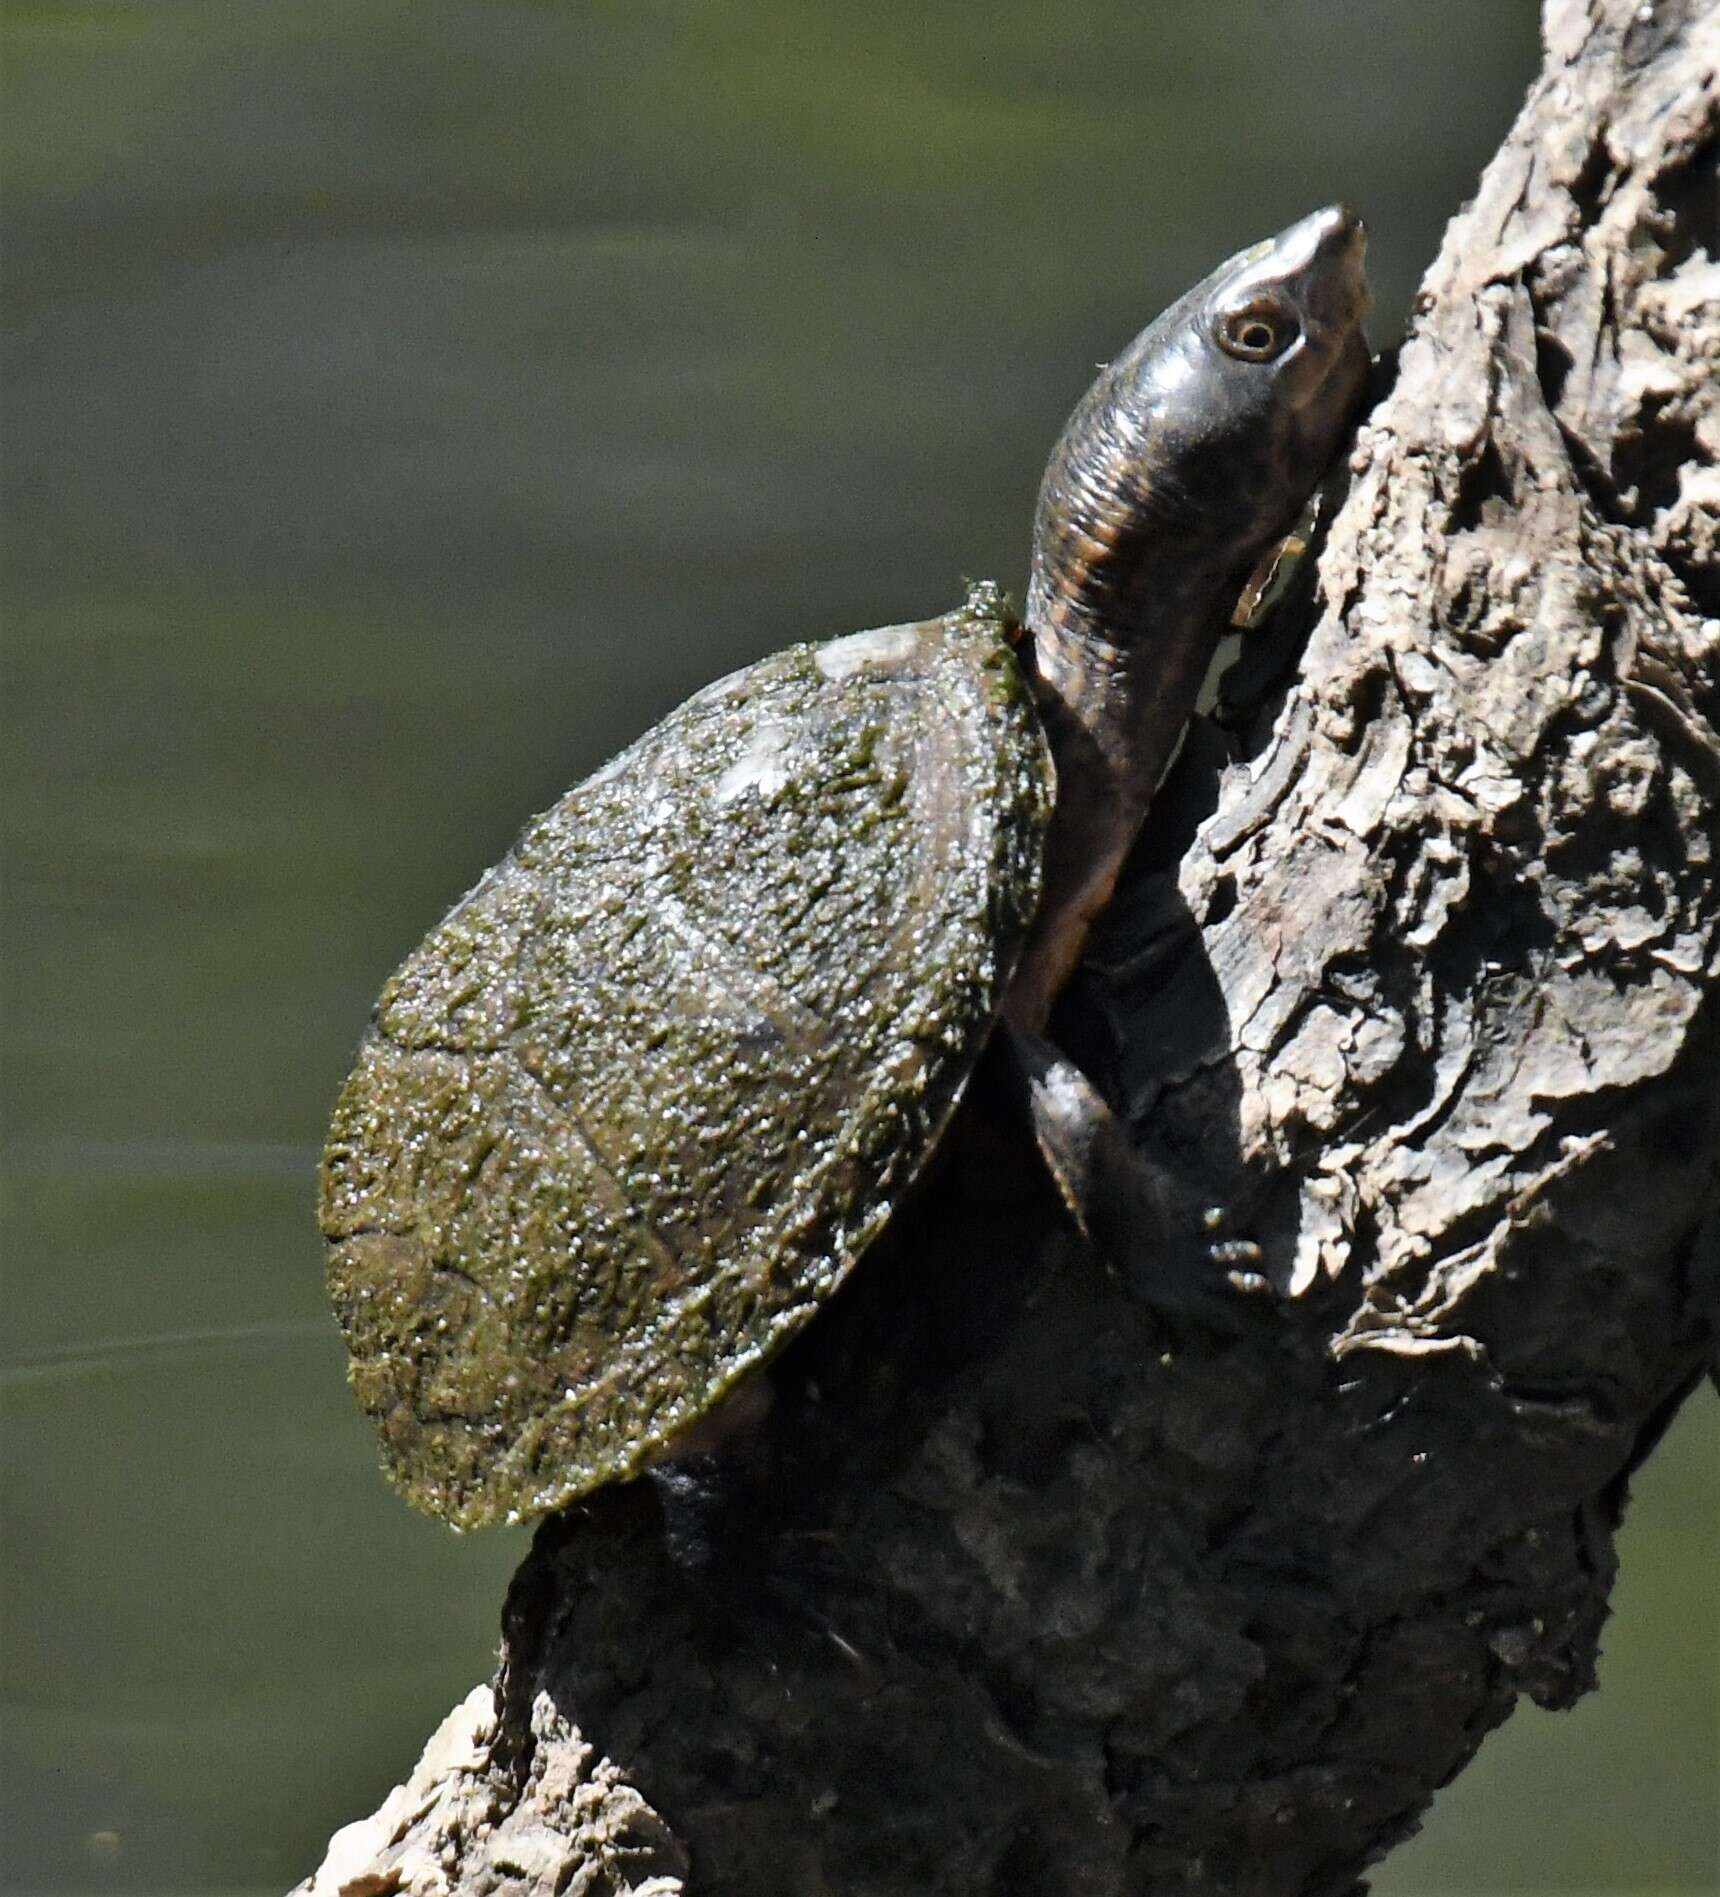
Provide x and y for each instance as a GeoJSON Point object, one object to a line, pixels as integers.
{"type": "Point", "coordinates": [1415, 976]}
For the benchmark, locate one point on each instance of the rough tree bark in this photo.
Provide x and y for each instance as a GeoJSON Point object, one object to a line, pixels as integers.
{"type": "Point", "coordinates": [1416, 974]}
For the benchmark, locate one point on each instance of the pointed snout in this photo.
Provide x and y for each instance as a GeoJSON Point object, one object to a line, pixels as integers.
{"type": "Point", "coordinates": [1339, 227]}
{"type": "Point", "coordinates": [1326, 255]}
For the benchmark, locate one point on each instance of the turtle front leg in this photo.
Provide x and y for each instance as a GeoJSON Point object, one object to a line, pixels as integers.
{"type": "Point", "coordinates": [1123, 1203]}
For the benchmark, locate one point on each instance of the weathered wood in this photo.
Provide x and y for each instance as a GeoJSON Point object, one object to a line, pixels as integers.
{"type": "Point", "coordinates": [1417, 977]}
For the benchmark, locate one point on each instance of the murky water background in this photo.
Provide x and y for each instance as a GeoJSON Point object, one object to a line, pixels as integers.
{"type": "Point", "coordinates": [405, 404]}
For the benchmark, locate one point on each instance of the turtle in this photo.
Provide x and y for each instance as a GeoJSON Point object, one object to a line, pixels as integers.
{"type": "Point", "coordinates": [636, 1108]}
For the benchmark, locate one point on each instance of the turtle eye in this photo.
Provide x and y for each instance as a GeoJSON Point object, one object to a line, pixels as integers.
{"type": "Point", "coordinates": [1257, 332]}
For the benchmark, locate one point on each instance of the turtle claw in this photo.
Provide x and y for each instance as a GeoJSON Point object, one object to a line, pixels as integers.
{"type": "Point", "coordinates": [1122, 1203]}
{"type": "Point", "coordinates": [1236, 1260]}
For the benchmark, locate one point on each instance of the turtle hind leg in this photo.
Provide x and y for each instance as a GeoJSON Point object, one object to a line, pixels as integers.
{"type": "Point", "coordinates": [707, 1477]}
{"type": "Point", "coordinates": [1122, 1202]}
{"type": "Point", "coordinates": [695, 1495]}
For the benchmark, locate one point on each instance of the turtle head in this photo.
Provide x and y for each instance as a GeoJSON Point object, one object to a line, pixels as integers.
{"type": "Point", "coordinates": [1199, 446]}
{"type": "Point", "coordinates": [1193, 452]}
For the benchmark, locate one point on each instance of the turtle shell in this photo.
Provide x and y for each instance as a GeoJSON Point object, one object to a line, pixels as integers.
{"type": "Point", "coordinates": [631, 1113]}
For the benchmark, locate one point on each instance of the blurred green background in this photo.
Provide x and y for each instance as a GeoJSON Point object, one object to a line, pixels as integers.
{"type": "Point", "coordinates": [404, 405]}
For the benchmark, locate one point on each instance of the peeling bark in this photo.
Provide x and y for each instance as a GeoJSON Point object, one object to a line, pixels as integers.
{"type": "Point", "coordinates": [1416, 976]}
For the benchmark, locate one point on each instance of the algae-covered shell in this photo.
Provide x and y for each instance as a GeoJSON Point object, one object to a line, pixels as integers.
{"type": "Point", "coordinates": [634, 1109]}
